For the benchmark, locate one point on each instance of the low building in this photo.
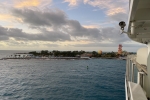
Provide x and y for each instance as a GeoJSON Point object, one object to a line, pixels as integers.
{"type": "Point", "coordinates": [21, 55]}
{"type": "Point", "coordinates": [86, 55]}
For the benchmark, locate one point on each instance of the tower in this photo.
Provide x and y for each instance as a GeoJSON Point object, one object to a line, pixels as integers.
{"type": "Point", "coordinates": [120, 49]}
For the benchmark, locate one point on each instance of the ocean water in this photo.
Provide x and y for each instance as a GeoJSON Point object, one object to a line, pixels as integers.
{"type": "Point", "coordinates": [62, 79]}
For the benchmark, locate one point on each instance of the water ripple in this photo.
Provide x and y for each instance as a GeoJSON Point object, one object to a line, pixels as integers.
{"type": "Point", "coordinates": [62, 79]}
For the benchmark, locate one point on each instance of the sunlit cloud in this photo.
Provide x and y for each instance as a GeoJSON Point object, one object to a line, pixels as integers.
{"type": "Point", "coordinates": [5, 17]}
{"type": "Point", "coordinates": [31, 3]}
{"type": "Point", "coordinates": [111, 7]}
{"type": "Point", "coordinates": [27, 3]}
{"type": "Point", "coordinates": [115, 11]}
{"type": "Point", "coordinates": [91, 26]}
{"type": "Point", "coordinates": [72, 3]}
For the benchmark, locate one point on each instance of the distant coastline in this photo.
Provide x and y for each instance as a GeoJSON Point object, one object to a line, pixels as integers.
{"type": "Point", "coordinates": [55, 54]}
{"type": "Point", "coordinates": [41, 58]}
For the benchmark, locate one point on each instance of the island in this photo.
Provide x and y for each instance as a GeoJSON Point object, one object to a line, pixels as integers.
{"type": "Point", "coordinates": [55, 54]}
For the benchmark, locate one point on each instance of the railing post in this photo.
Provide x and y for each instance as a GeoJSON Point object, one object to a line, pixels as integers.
{"type": "Point", "coordinates": [132, 72]}
{"type": "Point", "coordinates": [129, 69]}
{"type": "Point", "coordinates": [140, 78]}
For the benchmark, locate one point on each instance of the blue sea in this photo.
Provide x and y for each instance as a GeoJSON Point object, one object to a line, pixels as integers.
{"type": "Point", "coordinates": [62, 79]}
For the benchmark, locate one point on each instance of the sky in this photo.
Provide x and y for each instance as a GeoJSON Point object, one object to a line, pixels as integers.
{"type": "Point", "coordinates": [64, 25]}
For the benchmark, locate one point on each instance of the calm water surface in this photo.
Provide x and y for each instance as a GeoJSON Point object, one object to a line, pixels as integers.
{"type": "Point", "coordinates": [62, 79]}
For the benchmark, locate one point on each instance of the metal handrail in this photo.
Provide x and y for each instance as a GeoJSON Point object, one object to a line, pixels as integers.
{"type": "Point", "coordinates": [140, 67]}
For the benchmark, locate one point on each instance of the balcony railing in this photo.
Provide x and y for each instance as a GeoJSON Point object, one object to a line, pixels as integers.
{"type": "Point", "coordinates": [134, 80]}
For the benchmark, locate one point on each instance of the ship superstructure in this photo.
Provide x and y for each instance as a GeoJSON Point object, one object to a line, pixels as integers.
{"type": "Point", "coordinates": [137, 79]}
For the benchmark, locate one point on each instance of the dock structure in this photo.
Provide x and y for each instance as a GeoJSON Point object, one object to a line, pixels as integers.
{"type": "Point", "coordinates": [19, 56]}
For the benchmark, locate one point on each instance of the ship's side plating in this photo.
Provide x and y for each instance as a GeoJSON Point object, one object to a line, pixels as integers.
{"type": "Point", "coordinates": [137, 80]}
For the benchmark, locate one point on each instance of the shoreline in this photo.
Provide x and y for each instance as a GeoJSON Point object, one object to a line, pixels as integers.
{"type": "Point", "coordinates": [67, 58]}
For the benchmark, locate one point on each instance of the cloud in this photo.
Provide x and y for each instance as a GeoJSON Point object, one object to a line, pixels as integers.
{"type": "Point", "coordinates": [72, 3]}
{"type": "Point", "coordinates": [54, 25]}
{"type": "Point", "coordinates": [40, 18]}
{"type": "Point", "coordinates": [31, 3]}
{"type": "Point", "coordinates": [110, 7]}
{"type": "Point", "coordinates": [113, 35]}
{"type": "Point", "coordinates": [119, 17]}
{"type": "Point", "coordinates": [91, 26]}
{"type": "Point", "coordinates": [101, 44]}
{"type": "Point", "coordinates": [4, 38]}
{"type": "Point", "coordinates": [57, 20]}
{"type": "Point", "coordinates": [75, 29]}
{"type": "Point", "coordinates": [50, 45]}
{"type": "Point", "coordinates": [45, 35]}
{"type": "Point", "coordinates": [5, 17]}
{"type": "Point", "coordinates": [27, 3]}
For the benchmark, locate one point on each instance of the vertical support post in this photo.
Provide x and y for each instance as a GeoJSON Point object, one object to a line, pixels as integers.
{"type": "Point", "coordinates": [132, 72]}
{"type": "Point", "coordinates": [148, 46]}
{"type": "Point", "coordinates": [129, 70]}
{"type": "Point", "coordinates": [142, 84]}
{"type": "Point", "coordinates": [127, 67]}
{"type": "Point", "coordinates": [132, 28]}
{"type": "Point", "coordinates": [140, 78]}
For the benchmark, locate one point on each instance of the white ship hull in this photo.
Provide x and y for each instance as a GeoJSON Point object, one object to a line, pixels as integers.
{"type": "Point", "coordinates": [137, 79]}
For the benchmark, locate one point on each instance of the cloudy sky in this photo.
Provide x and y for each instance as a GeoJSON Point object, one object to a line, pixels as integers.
{"type": "Point", "coordinates": [64, 25]}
